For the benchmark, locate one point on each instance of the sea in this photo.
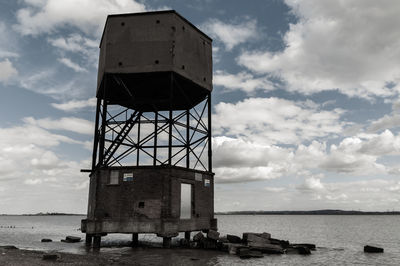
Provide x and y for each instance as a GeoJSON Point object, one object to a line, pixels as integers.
{"type": "Point", "coordinates": [339, 238]}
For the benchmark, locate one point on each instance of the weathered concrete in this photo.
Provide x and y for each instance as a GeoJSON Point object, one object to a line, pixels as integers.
{"type": "Point", "coordinates": [150, 203]}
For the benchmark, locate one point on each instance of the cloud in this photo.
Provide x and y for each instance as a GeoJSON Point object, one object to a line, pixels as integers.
{"type": "Point", "coordinates": [89, 16]}
{"type": "Point", "coordinates": [232, 34]}
{"type": "Point", "coordinates": [72, 124]}
{"type": "Point", "coordinates": [241, 81]}
{"type": "Point", "coordinates": [48, 82]}
{"type": "Point", "coordinates": [311, 184]}
{"type": "Point", "coordinates": [41, 178]}
{"type": "Point", "coordinates": [75, 105]}
{"type": "Point", "coordinates": [351, 46]}
{"type": "Point", "coordinates": [7, 70]}
{"type": "Point", "coordinates": [86, 48]}
{"type": "Point", "coordinates": [274, 120]}
{"type": "Point", "coordinates": [67, 62]}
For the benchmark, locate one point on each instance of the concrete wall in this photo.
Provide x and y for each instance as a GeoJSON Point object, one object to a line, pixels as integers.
{"type": "Point", "coordinates": [149, 202]}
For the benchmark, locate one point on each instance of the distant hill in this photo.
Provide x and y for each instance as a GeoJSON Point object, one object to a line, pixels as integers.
{"type": "Point", "coordinates": [315, 212]}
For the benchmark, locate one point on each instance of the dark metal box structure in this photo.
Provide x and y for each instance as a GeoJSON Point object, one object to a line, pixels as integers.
{"type": "Point", "coordinates": [152, 161]}
{"type": "Point", "coordinates": [145, 48]}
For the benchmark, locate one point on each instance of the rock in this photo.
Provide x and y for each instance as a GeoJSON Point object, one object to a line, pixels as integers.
{"type": "Point", "coordinates": [266, 235]}
{"type": "Point", "coordinates": [233, 248]}
{"type": "Point", "coordinates": [8, 247]}
{"type": "Point", "coordinates": [49, 257]}
{"type": "Point", "coordinates": [310, 246]}
{"type": "Point", "coordinates": [213, 235]}
{"type": "Point", "coordinates": [199, 236]}
{"type": "Point", "coordinates": [303, 250]}
{"type": "Point", "coordinates": [223, 239]}
{"type": "Point", "coordinates": [183, 242]}
{"type": "Point", "coordinates": [246, 253]}
{"type": "Point", "coordinates": [72, 239]}
{"type": "Point", "coordinates": [267, 248]}
{"type": "Point", "coordinates": [233, 239]}
{"type": "Point", "coordinates": [208, 243]}
{"type": "Point", "coordinates": [372, 249]}
{"type": "Point", "coordinates": [282, 243]}
{"type": "Point", "coordinates": [255, 237]}
{"type": "Point", "coordinates": [46, 240]}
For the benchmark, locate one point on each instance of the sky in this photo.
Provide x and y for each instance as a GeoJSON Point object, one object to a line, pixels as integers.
{"type": "Point", "coordinates": [306, 107]}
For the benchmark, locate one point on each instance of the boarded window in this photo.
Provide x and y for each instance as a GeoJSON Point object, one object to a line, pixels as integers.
{"type": "Point", "coordinates": [128, 177]}
{"type": "Point", "coordinates": [114, 178]}
{"type": "Point", "coordinates": [186, 201]}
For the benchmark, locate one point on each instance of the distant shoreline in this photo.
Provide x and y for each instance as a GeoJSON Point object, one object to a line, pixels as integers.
{"type": "Point", "coordinates": [315, 212]}
{"type": "Point", "coordinates": [45, 214]}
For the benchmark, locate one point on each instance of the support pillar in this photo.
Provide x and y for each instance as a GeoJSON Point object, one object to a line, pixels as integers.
{"type": "Point", "coordinates": [88, 240]}
{"type": "Point", "coordinates": [96, 241]}
{"type": "Point", "coordinates": [135, 239]}
{"type": "Point", "coordinates": [166, 242]}
{"type": "Point", "coordinates": [187, 235]}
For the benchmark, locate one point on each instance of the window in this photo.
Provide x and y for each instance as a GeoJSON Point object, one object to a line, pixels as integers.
{"type": "Point", "coordinates": [114, 178]}
{"type": "Point", "coordinates": [206, 182]}
{"type": "Point", "coordinates": [128, 177]}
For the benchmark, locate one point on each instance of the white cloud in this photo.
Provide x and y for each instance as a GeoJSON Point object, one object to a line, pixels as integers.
{"type": "Point", "coordinates": [352, 46]}
{"type": "Point", "coordinates": [73, 124]}
{"type": "Point", "coordinates": [275, 120]}
{"type": "Point", "coordinates": [231, 34]}
{"type": "Point", "coordinates": [7, 70]}
{"type": "Point", "coordinates": [75, 105]}
{"type": "Point", "coordinates": [241, 81]}
{"type": "Point", "coordinates": [312, 184]}
{"type": "Point", "coordinates": [67, 62]}
{"type": "Point", "coordinates": [74, 43]}
{"type": "Point", "coordinates": [88, 15]}
{"type": "Point", "coordinates": [85, 47]}
{"type": "Point", "coordinates": [41, 178]}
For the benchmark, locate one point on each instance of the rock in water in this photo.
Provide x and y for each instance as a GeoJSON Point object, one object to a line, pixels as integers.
{"type": "Point", "coordinates": [72, 239]}
{"type": "Point", "coordinates": [310, 246]}
{"type": "Point", "coordinates": [46, 240]}
{"type": "Point", "coordinates": [199, 236]}
{"type": "Point", "coordinates": [303, 250]}
{"type": "Point", "coordinates": [372, 249]}
{"type": "Point", "coordinates": [267, 248]}
{"type": "Point", "coordinates": [246, 253]}
{"type": "Point", "coordinates": [49, 257]}
{"type": "Point", "coordinates": [213, 235]}
{"type": "Point", "coordinates": [234, 239]}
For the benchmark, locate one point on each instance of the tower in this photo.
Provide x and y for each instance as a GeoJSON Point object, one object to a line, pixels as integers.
{"type": "Point", "coordinates": [152, 160]}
